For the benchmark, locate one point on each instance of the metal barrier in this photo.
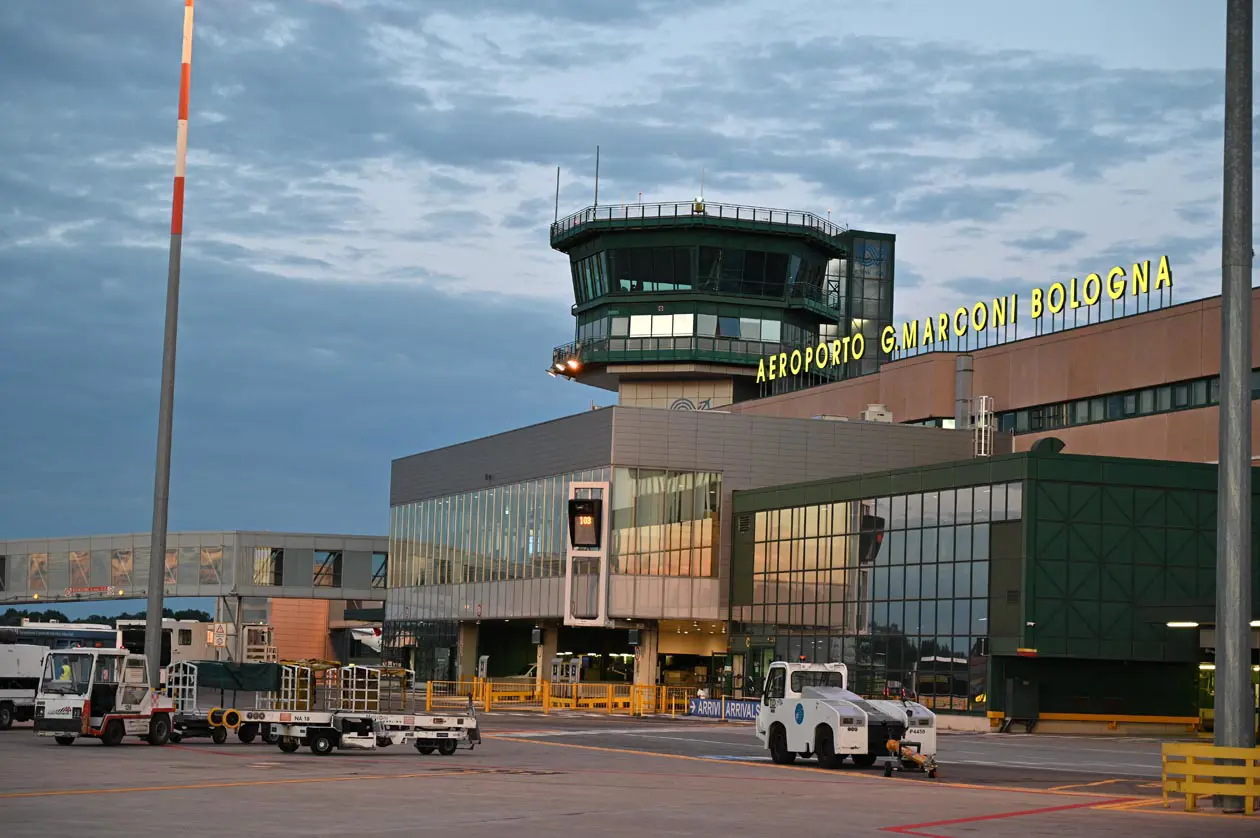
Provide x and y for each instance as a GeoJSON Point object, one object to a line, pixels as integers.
{"type": "Point", "coordinates": [611, 698]}
{"type": "Point", "coordinates": [1190, 768]}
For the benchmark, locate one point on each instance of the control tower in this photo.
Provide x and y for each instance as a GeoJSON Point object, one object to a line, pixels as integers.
{"type": "Point", "coordinates": [678, 304]}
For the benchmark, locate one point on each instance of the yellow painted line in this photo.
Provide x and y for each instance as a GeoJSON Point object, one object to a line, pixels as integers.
{"type": "Point", "coordinates": [847, 775]}
{"type": "Point", "coordinates": [238, 784]}
{"type": "Point", "coordinates": [1087, 785]}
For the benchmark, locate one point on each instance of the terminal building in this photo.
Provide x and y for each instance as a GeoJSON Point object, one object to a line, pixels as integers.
{"type": "Point", "coordinates": [979, 505]}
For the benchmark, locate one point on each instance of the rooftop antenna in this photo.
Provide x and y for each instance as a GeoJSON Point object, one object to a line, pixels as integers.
{"type": "Point", "coordinates": [596, 176]}
{"type": "Point", "coordinates": [702, 184]}
{"type": "Point", "coordinates": [557, 193]}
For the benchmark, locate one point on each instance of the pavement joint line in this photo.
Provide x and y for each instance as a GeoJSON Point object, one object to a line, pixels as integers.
{"type": "Point", "coordinates": [233, 784]}
{"type": "Point", "coordinates": [838, 777]}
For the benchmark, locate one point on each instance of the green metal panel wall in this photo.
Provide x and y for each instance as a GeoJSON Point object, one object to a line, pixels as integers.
{"type": "Point", "coordinates": [1099, 550]}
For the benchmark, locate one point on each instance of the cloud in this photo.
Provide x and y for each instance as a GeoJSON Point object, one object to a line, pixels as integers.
{"type": "Point", "coordinates": [1049, 242]}
{"type": "Point", "coordinates": [370, 184]}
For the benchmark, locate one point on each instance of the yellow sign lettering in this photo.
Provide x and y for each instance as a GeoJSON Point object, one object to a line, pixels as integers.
{"type": "Point", "coordinates": [1051, 304]}
{"type": "Point", "coordinates": [1141, 283]}
{"type": "Point", "coordinates": [909, 334]}
{"type": "Point", "coordinates": [1164, 277]}
{"type": "Point", "coordinates": [1094, 282]}
{"type": "Point", "coordinates": [979, 317]}
{"type": "Point", "coordinates": [1115, 283]}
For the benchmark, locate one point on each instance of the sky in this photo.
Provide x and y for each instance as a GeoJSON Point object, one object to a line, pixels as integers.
{"type": "Point", "coordinates": [366, 270]}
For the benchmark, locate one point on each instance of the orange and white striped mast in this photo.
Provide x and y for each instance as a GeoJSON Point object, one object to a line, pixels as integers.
{"type": "Point", "coordinates": [166, 408]}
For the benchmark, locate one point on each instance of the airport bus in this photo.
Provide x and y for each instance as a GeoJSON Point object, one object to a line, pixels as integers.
{"type": "Point", "coordinates": [56, 635]}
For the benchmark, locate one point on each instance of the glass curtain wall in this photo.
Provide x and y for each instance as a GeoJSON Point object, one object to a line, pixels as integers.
{"type": "Point", "coordinates": [896, 588]}
{"type": "Point", "coordinates": [665, 523]}
{"type": "Point", "coordinates": [517, 531]}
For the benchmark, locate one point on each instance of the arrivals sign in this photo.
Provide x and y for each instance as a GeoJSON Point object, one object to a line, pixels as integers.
{"type": "Point", "coordinates": [982, 316]}
{"type": "Point", "coordinates": [742, 709]}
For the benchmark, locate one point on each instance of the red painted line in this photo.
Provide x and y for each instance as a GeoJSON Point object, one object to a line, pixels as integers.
{"type": "Point", "coordinates": [914, 828]}
{"type": "Point", "coordinates": [177, 208]}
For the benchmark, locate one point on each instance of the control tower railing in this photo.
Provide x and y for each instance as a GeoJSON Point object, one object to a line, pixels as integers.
{"type": "Point", "coordinates": [623, 216]}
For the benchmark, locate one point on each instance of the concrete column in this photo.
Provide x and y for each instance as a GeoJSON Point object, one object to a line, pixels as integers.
{"type": "Point", "coordinates": [546, 651]}
{"type": "Point", "coordinates": [645, 656]}
{"type": "Point", "coordinates": [964, 369]}
{"type": "Point", "coordinates": [466, 660]}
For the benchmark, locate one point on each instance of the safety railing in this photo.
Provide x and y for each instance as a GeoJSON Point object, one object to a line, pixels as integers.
{"type": "Point", "coordinates": [544, 696]}
{"type": "Point", "coordinates": [707, 211]}
{"type": "Point", "coordinates": [1191, 769]}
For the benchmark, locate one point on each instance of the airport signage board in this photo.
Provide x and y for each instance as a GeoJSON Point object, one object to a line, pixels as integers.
{"type": "Point", "coordinates": [739, 709]}
{"type": "Point", "coordinates": [984, 315]}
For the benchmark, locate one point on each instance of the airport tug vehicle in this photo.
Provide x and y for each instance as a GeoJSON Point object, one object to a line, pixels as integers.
{"type": "Point", "coordinates": [807, 710]}
{"type": "Point", "coordinates": [100, 694]}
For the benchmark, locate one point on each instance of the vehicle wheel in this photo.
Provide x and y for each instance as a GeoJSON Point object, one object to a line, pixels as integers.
{"type": "Point", "coordinates": [113, 733]}
{"type": "Point", "coordinates": [218, 735]}
{"type": "Point", "coordinates": [446, 747]}
{"type": "Point", "coordinates": [825, 747]}
{"type": "Point", "coordinates": [159, 729]}
{"type": "Point", "coordinates": [779, 752]}
{"type": "Point", "coordinates": [888, 769]}
{"type": "Point", "coordinates": [269, 735]}
{"type": "Point", "coordinates": [425, 749]}
{"type": "Point", "coordinates": [288, 746]}
{"type": "Point", "coordinates": [321, 743]}
{"type": "Point", "coordinates": [6, 716]}
{"type": "Point", "coordinates": [864, 760]}
{"type": "Point", "coordinates": [931, 773]}
{"type": "Point", "coordinates": [246, 733]}
{"type": "Point", "coordinates": [65, 740]}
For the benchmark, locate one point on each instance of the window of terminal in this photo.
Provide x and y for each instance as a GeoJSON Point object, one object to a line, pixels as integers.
{"type": "Point", "coordinates": [586, 522]}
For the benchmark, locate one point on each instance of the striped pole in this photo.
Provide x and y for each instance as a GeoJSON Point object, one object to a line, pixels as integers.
{"type": "Point", "coordinates": [166, 408]}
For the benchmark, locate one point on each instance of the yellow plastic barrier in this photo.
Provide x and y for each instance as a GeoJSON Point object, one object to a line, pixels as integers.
{"type": "Point", "coordinates": [1190, 768]}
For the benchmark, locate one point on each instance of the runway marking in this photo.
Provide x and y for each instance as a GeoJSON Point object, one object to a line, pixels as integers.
{"type": "Point", "coordinates": [838, 776]}
{"type": "Point", "coordinates": [235, 784]}
{"type": "Point", "coordinates": [916, 828]}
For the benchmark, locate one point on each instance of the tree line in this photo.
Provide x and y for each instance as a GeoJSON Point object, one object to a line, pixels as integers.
{"type": "Point", "coordinates": [13, 617]}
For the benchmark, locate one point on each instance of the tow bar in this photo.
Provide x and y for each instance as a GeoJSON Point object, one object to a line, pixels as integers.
{"type": "Point", "coordinates": [907, 756]}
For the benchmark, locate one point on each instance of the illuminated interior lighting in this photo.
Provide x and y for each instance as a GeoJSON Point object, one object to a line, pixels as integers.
{"type": "Point", "coordinates": [1207, 667]}
{"type": "Point", "coordinates": [1255, 624]}
{"type": "Point", "coordinates": [1183, 625]}
{"type": "Point", "coordinates": [573, 363]}
{"type": "Point", "coordinates": [559, 367]}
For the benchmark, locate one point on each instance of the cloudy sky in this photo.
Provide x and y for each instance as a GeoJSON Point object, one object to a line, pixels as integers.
{"type": "Point", "coordinates": [366, 266]}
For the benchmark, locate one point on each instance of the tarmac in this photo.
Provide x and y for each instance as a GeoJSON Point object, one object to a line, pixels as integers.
{"type": "Point", "coordinates": [537, 775]}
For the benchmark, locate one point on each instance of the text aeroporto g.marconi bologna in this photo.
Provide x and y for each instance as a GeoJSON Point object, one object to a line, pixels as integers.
{"type": "Point", "coordinates": [1058, 297]}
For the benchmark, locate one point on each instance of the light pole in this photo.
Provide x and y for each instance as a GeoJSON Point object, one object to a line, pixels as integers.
{"type": "Point", "coordinates": [1234, 707]}
{"type": "Point", "coordinates": [166, 406]}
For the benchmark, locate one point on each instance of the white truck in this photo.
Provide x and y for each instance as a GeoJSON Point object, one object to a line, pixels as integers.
{"type": "Point", "coordinates": [100, 694]}
{"type": "Point", "coordinates": [20, 667]}
{"type": "Point", "coordinates": [807, 710]}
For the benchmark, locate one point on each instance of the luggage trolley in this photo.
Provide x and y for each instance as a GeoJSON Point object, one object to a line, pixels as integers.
{"type": "Point", "coordinates": [213, 697]}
